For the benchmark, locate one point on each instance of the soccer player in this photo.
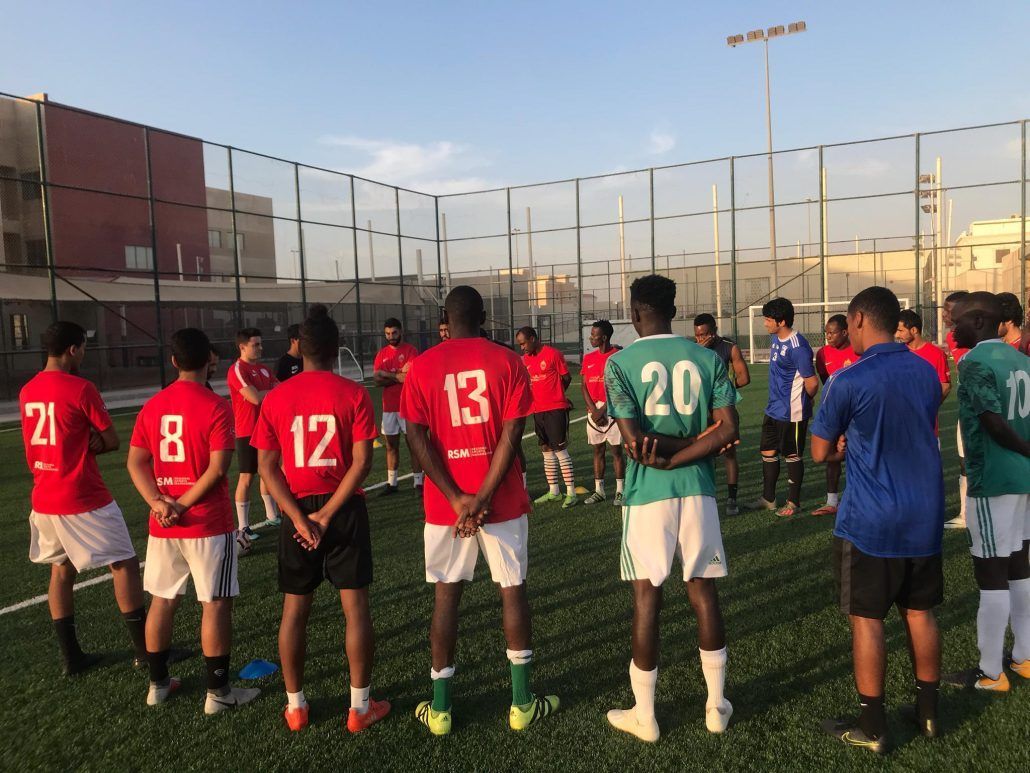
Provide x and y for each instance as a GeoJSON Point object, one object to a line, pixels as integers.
{"type": "Point", "coordinates": [1011, 328]}
{"type": "Point", "coordinates": [662, 389]}
{"type": "Point", "coordinates": [390, 368]}
{"type": "Point", "coordinates": [601, 430]}
{"type": "Point", "coordinates": [994, 415]}
{"type": "Point", "coordinates": [314, 440]}
{"type": "Point", "coordinates": [249, 382]}
{"type": "Point", "coordinates": [290, 364]}
{"type": "Point", "coordinates": [179, 457]}
{"type": "Point", "coordinates": [887, 538]}
{"type": "Point", "coordinates": [793, 384]}
{"type": "Point", "coordinates": [444, 331]}
{"type": "Point", "coordinates": [466, 403]}
{"type": "Point", "coordinates": [829, 359]}
{"type": "Point", "coordinates": [549, 378]}
{"type": "Point", "coordinates": [956, 352]}
{"type": "Point", "coordinates": [75, 523]}
{"type": "Point", "coordinates": [910, 333]}
{"type": "Point", "coordinates": [706, 334]}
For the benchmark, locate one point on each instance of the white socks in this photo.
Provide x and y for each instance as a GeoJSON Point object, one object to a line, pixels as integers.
{"type": "Point", "coordinates": [832, 498]}
{"type": "Point", "coordinates": [525, 481]}
{"type": "Point", "coordinates": [443, 673]}
{"type": "Point", "coordinates": [565, 462]}
{"type": "Point", "coordinates": [1019, 598]}
{"type": "Point", "coordinates": [359, 698]}
{"type": "Point", "coordinates": [991, 621]}
{"type": "Point", "coordinates": [296, 700]}
{"type": "Point", "coordinates": [243, 514]}
{"type": "Point", "coordinates": [599, 485]}
{"type": "Point", "coordinates": [643, 684]}
{"type": "Point", "coordinates": [391, 477]}
{"type": "Point", "coordinates": [419, 478]}
{"type": "Point", "coordinates": [519, 657]}
{"type": "Point", "coordinates": [619, 482]}
{"type": "Point", "coordinates": [271, 508]}
{"type": "Point", "coordinates": [713, 666]}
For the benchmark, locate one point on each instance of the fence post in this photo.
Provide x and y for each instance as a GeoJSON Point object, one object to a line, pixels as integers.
{"type": "Point", "coordinates": [300, 243]}
{"type": "Point", "coordinates": [1022, 217]}
{"type": "Point", "coordinates": [45, 200]}
{"type": "Point", "coordinates": [439, 266]}
{"type": "Point", "coordinates": [579, 272]}
{"type": "Point", "coordinates": [511, 272]}
{"type": "Point", "coordinates": [153, 260]}
{"type": "Point", "coordinates": [916, 245]}
{"type": "Point", "coordinates": [822, 236]}
{"type": "Point", "coordinates": [733, 247]}
{"type": "Point", "coordinates": [400, 258]}
{"type": "Point", "coordinates": [651, 207]}
{"type": "Point", "coordinates": [357, 277]}
{"type": "Point", "coordinates": [235, 242]}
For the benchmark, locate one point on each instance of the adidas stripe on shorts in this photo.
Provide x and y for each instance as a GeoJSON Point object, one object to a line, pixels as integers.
{"type": "Point", "coordinates": [504, 545]}
{"type": "Point", "coordinates": [997, 525]}
{"type": "Point", "coordinates": [210, 561]}
{"type": "Point", "coordinates": [655, 533]}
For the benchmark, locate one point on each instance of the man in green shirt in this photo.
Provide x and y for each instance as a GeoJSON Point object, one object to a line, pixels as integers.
{"type": "Point", "coordinates": [994, 415]}
{"type": "Point", "coordinates": [661, 390]}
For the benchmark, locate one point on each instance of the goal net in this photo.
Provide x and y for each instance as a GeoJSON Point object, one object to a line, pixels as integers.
{"type": "Point", "coordinates": [347, 365]}
{"type": "Point", "coordinates": [809, 320]}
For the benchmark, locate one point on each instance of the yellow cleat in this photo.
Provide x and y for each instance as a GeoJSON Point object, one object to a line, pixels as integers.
{"type": "Point", "coordinates": [521, 717]}
{"type": "Point", "coordinates": [438, 722]}
{"type": "Point", "coordinates": [1021, 667]}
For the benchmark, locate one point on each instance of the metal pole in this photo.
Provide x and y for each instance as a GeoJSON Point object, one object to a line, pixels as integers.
{"type": "Point", "coordinates": [400, 258]}
{"type": "Point", "coordinates": [235, 243]}
{"type": "Point", "coordinates": [357, 276]}
{"type": "Point", "coordinates": [937, 257]}
{"type": "Point", "coordinates": [371, 253]}
{"type": "Point", "coordinates": [824, 233]}
{"type": "Point", "coordinates": [439, 273]}
{"type": "Point", "coordinates": [715, 229]}
{"type": "Point", "coordinates": [579, 280]}
{"type": "Point", "coordinates": [915, 249]}
{"type": "Point", "coordinates": [772, 197]}
{"type": "Point", "coordinates": [733, 249]}
{"type": "Point", "coordinates": [622, 257]}
{"type": "Point", "coordinates": [446, 252]}
{"type": "Point", "coordinates": [511, 272]}
{"type": "Point", "coordinates": [153, 260]}
{"type": "Point", "coordinates": [650, 173]}
{"type": "Point", "coordinates": [532, 266]}
{"type": "Point", "coordinates": [1022, 216]}
{"type": "Point", "coordinates": [45, 201]}
{"type": "Point", "coordinates": [300, 243]}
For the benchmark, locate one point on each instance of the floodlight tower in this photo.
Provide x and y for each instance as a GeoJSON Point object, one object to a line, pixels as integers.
{"type": "Point", "coordinates": [765, 36]}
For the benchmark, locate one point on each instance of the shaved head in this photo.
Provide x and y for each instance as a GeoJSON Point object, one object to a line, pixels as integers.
{"type": "Point", "coordinates": [463, 308]}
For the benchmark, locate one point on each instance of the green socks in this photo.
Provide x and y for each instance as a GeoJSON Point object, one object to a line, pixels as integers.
{"type": "Point", "coordinates": [520, 692]}
{"type": "Point", "coordinates": [442, 689]}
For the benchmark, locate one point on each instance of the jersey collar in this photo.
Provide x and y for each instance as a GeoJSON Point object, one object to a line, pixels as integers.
{"type": "Point", "coordinates": [891, 346]}
{"type": "Point", "coordinates": [656, 336]}
{"type": "Point", "coordinates": [991, 341]}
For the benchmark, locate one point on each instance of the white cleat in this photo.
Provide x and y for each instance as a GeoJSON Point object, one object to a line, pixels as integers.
{"type": "Point", "coordinates": [626, 721]}
{"type": "Point", "coordinates": [958, 522]}
{"type": "Point", "coordinates": [158, 694]}
{"type": "Point", "coordinates": [718, 717]}
{"type": "Point", "coordinates": [237, 696]}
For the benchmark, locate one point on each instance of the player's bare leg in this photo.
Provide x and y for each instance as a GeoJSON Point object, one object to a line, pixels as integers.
{"type": "Point", "coordinates": [443, 636]}
{"type": "Point", "coordinates": [272, 514]}
{"type": "Point", "coordinates": [643, 668]}
{"type": "Point", "coordinates": [360, 645]}
{"type": "Point", "coordinates": [732, 477]}
{"type": "Point", "coordinates": [869, 654]}
{"type": "Point", "coordinates": [711, 640]}
{"type": "Point", "coordinates": [393, 462]}
{"type": "Point", "coordinates": [128, 592]}
{"type": "Point", "coordinates": [242, 500]}
{"type": "Point", "coordinates": [599, 470]}
{"type": "Point", "coordinates": [833, 472]}
{"type": "Point", "coordinates": [924, 648]}
{"type": "Point", "coordinates": [619, 463]}
{"type": "Point", "coordinates": [526, 708]}
{"type": "Point", "coordinates": [293, 639]}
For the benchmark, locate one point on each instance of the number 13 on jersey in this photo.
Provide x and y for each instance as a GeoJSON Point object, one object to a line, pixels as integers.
{"type": "Point", "coordinates": [472, 385]}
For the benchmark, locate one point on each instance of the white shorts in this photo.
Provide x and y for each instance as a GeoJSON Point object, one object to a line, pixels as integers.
{"type": "Point", "coordinates": [393, 424]}
{"type": "Point", "coordinates": [998, 525]}
{"type": "Point", "coordinates": [655, 533]}
{"type": "Point", "coordinates": [505, 546]}
{"type": "Point", "coordinates": [598, 435]}
{"type": "Point", "coordinates": [211, 561]}
{"type": "Point", "coordinates": [87, 540]}
{"type": "Point", "coordinates": [958, 442]}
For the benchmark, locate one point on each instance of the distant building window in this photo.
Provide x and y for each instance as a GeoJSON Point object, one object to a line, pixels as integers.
{"type": "Point", "coordinates": [999, 255]}
{"type": "Point", "coordinates": [214, 239]}
{"type": "Point", "coordinates": [30, 190]}
{"type": "Point", "coordinates": [139, 258]}
{"type": "Point", "coordinates": [35, 252]}
{"type": "Point", "coordinates": [20, 331]}
{"type": "Point", "coordinates": [239, 244]}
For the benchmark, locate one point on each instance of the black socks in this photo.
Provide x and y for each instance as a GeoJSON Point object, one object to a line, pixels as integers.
{"type": "Point", "coordinates": [67, 639]}
{"type": "Point", "coordinates": [136, 622]}
{"type": "Point", "coordinates": [217, 673]}
{"type": "Point", "coordinates": [795, 474]}
{"type": "Point", "coordinates": [873, 719]}
{"type": "Point", "coordinates": [770, 474]}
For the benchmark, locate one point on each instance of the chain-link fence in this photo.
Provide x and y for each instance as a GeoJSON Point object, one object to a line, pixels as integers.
{"type": "Point", "coordinates": [134, 232]}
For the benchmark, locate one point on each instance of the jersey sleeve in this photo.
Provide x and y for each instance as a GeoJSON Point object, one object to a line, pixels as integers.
{"type": "Point", "coordinates": [820, 364]}
{"type": "Point", "coordinates": [622, 403]}
{"type": "Point", "coordinates": [834, 413]}
{"type": "Point", "coordinates": [519, 402]}
{"type": "Point", "coordinates": [141, 430]}
{"type": "Point", "coordinates": [92, 405]}
{"type": "Point", "coordinates": [941, 364]}
{"type": "Point", "coordinates": [377, 363]}
{"type": "Point", "coordinates": [563, 368]}
{"type": "Point", "coordinates": [364, 424]}
{"type": "Point", "coordinates": [234, 377]}
{"type": "Point", "coordinates": [979, 390]}
{"type": "Point", "coordinates": [263, 435]}
{"type": "Point", "coordinates": [223, 434]}
{"type": "Point", "coordinates": [802, 356]}
{"type": "Point", "coordinates": [413, 406]}
{"type": "Point", "coordinates": [724, 394]}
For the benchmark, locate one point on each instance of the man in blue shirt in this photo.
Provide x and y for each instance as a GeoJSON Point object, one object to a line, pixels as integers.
{"type": "Point", "coordinates": [792, 386]}
{"type": "Point", "coordinates": [887, 539]}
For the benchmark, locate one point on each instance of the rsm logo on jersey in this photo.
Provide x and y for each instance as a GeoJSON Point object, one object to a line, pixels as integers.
{"type": "Point", "coordinates": [465, 453]}
{"type": "Point", "coordinates": [44, 467]}
{"type": "Point", "coordinates": [173, 481]}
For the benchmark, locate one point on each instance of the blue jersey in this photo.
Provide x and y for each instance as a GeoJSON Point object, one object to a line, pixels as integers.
{"type": "Point", "coordinates": [886, 405]}
{"type": "Point", "coordinates": [790, 363]}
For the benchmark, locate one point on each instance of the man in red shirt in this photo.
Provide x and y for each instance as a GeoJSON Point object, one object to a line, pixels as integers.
{"type": "Point", "coordinates": [389, 371]}
{"type": "Point", "coordinates": [314, 440]}
{"type": "Point", "coordinates": [910, 333]}
{"type": "Point", "coordinates": [249, 381]}
{"type": "Point", "coordinates": [179, 456]}
{"type": "Point", "coordinates": [957, 353]}
{"type": "Point", "coordinates": [549, 377]}
{"type": "Point", "coordinates": [601, 429]}
{"type": "Point", "coordinates": [75, 523]}
{"type": "Point", "coordinates": [1011, 330]}
{"type": "Point", "coordinates": [466, 403]}
{"type": "Point", "coordinates": [829, 359]}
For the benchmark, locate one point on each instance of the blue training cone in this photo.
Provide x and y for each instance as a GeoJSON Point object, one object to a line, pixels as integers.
{"type": "Point", "coordinates": [258, 668]}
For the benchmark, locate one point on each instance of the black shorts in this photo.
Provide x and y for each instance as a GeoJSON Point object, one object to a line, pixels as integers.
{"type": "Point", "coordinates": [552, 427]}
{"type": "Point", "coordinates": [787, 438]}
{"type": "Point", "coordinates": [246, 455]}
{"type": "Point", "coordinates": [868, 586]}
{"type": "Point", "coordinates": [344, 556]}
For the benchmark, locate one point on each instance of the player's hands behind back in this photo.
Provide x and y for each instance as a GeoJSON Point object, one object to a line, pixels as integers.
{"type": "Point", "coordinates": [471, 511]}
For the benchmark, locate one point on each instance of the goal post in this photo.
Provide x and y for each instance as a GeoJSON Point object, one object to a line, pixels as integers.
{"type": "Point", "coordinates": [347, 365]}
{"type": "Point", "coordinates": [809, 320]}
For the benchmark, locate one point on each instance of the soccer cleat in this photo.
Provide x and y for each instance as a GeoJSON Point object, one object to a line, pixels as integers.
{"type": "Point", "coordinates": [617, 502]}
{"type": "Point", "coordinates": [237, 696]}
{"type": "Point", "coordinates": [958, 522]}
{"type": "Point", "coordinates": [548, 497]}
{"type": "Point", "coordinates": [789, 510]}
{"type": "Point", "coordinates": [296, 719]}
{"type": "Point", "coordinates": [626, 721]}
{"type": "Point", "coordinates": [928, 728]}
{"type": "Point", "coordinates": [438, 722]}
{"type": "Point", "coordinates": [243, 541]}
{"type": "Point", "coordinates": [848, 731]}
{"type": "Point", "coordinates": [1021, 667]}
{"type": "Point", "coordinates": [731, 507]}
{"type": "Point", "coordinates": [760, 504]}
{"type": "Point", "coordinates": [521, 717]}
{"type": "Point", "coordinates": [79, 665]}
{"type": "Point", "coordinates": [251, 534]}
{"type": "Point", "coordinates": [718, 717]}
{"type": "Point", "coordinates": [389, 490]}
{"type": "Point", "coordinates": [274, 521]}
{"type": "Point", "coordinates": [593, 499]}
{"type": "Point", "coordinates": [376, 710]}
{"type": "Point", "coordinates": [825, 510]}
{"type": "Point", "coordinates": [571, 500]}
{"type": "Point", "coordinates": [975, 679]}
{"type": "Point", "coordinates": [158, 694]}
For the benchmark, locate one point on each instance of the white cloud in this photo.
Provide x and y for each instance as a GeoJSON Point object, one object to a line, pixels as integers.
{"type": "Point", "coordinates": [660, 142]}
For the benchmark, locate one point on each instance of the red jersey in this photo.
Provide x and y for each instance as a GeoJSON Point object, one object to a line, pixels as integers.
{"type": "Point", "coordinates": [830, 359]}
{"type": "Point", "coordinates": [58, 410]}
{"type": "Point", "coordinates": [180, 426]}
{"type": "Point", "coordinates": [956, 351]}
{"type": "Point", "coordinates": [593, 373]}
{"type": "Point", "coordinates": [242, 374]}
{"type": "Point", "coordinates": [546, 368]}
{"type": "Point", "coordinates": [394, 359]}
{"type": "Point", "coordinates": [933, 355]}
{"type": "Point", "coordinates": [315, 419]}
{"type": "Point", "coordinates": [464, 390]}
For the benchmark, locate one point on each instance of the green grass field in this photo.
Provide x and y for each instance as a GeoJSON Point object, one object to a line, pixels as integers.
{"type": "Point", "coordinates": [789, 652]}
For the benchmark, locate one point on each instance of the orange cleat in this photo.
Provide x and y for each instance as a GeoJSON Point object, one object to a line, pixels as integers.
{"type": "Point", "coordinates": [825, 510]}
{"type": "Point", "coordinates": [296, 719]}
{"type": "Point", "coordinates": [376, 710]}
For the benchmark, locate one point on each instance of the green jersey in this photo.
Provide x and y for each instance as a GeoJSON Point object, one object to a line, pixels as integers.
{"type": "Point", "coordinates": [994, 377]}
{"type": "Point", "coordinates": [670, 386]}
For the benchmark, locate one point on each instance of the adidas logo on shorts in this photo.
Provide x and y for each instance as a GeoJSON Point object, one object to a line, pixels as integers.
{"type": "Point", "coordinates": [716, 561]}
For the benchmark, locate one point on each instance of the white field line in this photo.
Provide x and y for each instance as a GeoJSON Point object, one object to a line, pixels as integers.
{"type": "Point", "coordinates": [107, 575]}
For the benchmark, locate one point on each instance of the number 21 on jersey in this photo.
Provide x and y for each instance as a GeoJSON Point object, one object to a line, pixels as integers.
{"type": "Point", "coordinates": [686, 387]}
{"type": "Point", "coordinates": [44, 433]}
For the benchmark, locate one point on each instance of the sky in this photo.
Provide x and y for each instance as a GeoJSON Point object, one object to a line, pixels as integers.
{"type": "Point", "coordinates": [452, 96]}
